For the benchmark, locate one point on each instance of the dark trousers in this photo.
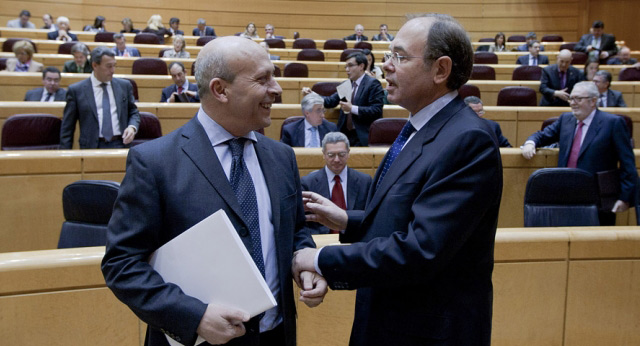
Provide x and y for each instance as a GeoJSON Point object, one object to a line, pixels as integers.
{"type": "Point", "coordinates": [607, 218]}
{"type": "Point", "coordinates": [115, 143]}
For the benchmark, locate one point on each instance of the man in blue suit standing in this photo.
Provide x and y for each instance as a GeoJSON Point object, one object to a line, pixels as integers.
{"type": "Point", "coordinates": [345, 186]}
{"type": "Point", "coordinates": [422, 252]}
{"type": "Point", "coordinates": [310, 131]}
{"type": "Point", "coordinates": [592, 140]}
{"type": "Point", "coordinates": [180, 86]}
{"type": "Point", "coordinates": [215, 161]}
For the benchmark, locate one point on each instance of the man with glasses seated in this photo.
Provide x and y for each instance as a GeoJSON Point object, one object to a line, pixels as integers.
{"type": "Point", "coordinates": [591, 140]}
{"type": "Point", "coordinates": [365, 106]}
{"type": "Point", "coordinates": [310, 131]}
{"type": "Point", "coordinates": [345, 186]}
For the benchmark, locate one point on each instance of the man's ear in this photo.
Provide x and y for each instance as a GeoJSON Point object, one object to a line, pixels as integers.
{"type": "Point", "coordinates": [442, 67]}
{"type": "Point", "coordinates": [218, 88]}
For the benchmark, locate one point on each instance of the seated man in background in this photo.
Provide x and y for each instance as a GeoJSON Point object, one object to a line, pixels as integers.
{"type": "Point", "coordinates": [384, 35]}
{"type": "Point", "coordinates": [265, 45]}
{"type": "Point", "coordinates": [623, 58]}
{"type": "Point", "coordinates": [310, 131]}
{"type": "Point", "coordinates": [50, 90]}
{"type": "Point", "coordinates": [202, 29]}
{"type": "Point", "coordinates": [47, 19]}
{"type": "Point", "coordinates": [121, 48]}
{"type": "Point", "coordinates": [608, 97]}
{"type": "Point", "coordinates": [597, 44]}
{"type": "Point", "coordinates": [345, 186]}
{"type": "Point", "coordinates": [181, 90]}
{"type": "Point", "coordinates": [557, 81]}
{"type": "Point", "coordinates": [174, 24]}
{"type": "Point", "coordinates": [62, 34]}
{"type": "Point", "coordinates": [270, 32]}
{"type": "Point", "coordinates": [534, 58]}
{"type": "Point", "coordinates": [22, 22]}
{"type": "Point", "coordinates": [591, 140]}
{"type": "Point", "coordinates": [357, 36]}
{"type": "Point", "coordinates": [80, 63]}
{"type": "Point", "coordinates": [531, 36]}
{"type": "Point", "coordinates": [475, 103]}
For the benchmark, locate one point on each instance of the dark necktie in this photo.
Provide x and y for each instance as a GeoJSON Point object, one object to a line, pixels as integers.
{"type": "Point", "coordinates": [243, 187]}
{"type": "Point", "coordinates": [337, 196]}
{"type": "Point", "coordinates": [180, 90]}
{"type": "Point", "coordinates": [535, 61]}
{"type": "Point", "coordinates": [354, 88]}
{"type": "Point", "coordinates": [395, 149]}
{"type": "Point", "coordinates": [107, 128]}
{"type": "Point", "coordinates": [575, 147]}
{"type": "Point", "coordinates": [48, 99]}
{"type": "Point", "coordinates": [562, 81]}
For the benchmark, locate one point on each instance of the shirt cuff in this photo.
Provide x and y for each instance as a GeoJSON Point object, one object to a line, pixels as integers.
{"type": "Point", "coordinates": [354, 110]}
{"type": "Point", "coordinates": [315, 261]}
{"type": "Point", "coordinates": [530, 142]}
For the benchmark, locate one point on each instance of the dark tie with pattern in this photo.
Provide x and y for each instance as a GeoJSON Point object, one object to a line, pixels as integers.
{"type": "Point", "coordinates": [243, 187]}
{"type": "Point", "coordinates": [107, 127]}
{"type": "Point", "coordinates": [535, 61]}
{"type": "Point", "coordinates": [337, 196]}
{"type": "Point", "coordinates": [395, 149]}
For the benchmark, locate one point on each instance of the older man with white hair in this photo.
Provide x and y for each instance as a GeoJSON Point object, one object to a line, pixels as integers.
{"type": "Point", "coordinates": [309, 131]}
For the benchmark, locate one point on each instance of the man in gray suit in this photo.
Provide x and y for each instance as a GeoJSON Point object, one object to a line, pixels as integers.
{"type": "Point", "coordinates": [22, 22]}
{"type": "Point", "coordinates": [51, 90]}
{"type": "Point", "coordinates": [345, 186]}
{"type": "Point", "coordinates": [597, 44]}
{"type": "Point", "coordinates": [88, 101]}
{"type": "Point", "coordinates": [608, 97]}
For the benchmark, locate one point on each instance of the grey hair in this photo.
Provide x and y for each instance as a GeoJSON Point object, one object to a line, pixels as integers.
{"type": "Point", "coordinates": [605, 74]}
{"type": "Point", "coordinates": [472, 100]}
{"type": "Point", "coordinates": [62, 19]}
{"type": "Point", "coordinates": [99, 52]}
{"type": "Point", "coordinates": [334, 137]}
{"type": "Point", "coordinates": [589, 87]}
{"type": "Point", "coordinates": [201, 21]}
{"type": "Point", "coordinates": [311, 100]}
{"type": "Point", "coordinates": [80, 47]}
{"type": "Point", "coordinates": [210, 66]}
{"type": "Point", "coordinates": [117, 36]}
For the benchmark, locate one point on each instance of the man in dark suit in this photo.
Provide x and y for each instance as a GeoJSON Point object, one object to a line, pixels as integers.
{"type": "Point", "coordinates": [384, 34]}
{"type": "Point", "coordinates": [176, 181]}
{"type": "Point", "coordinates": [557, 81]}
{"type": "Point", "coordinates": [623, 58]}
{"type": "Point", "coordinates": [592, 140]}
{"type": "Point", "coordinates": [344, 185]}
{"type": "Point", "coordinates": [174, 24]}
{"type": "Point", "coordinates": [121, 48]}
{"type": "Point", "coordinates": [62, 34]}
{"type": "Point", "coordinates": [202, 29]}
{"type": "Point", "coordinates": [180, 86]}
{"type": "Point", "coordinates": [51, 90]}
{"type": "Point", "coordinates": [475, 103]}
{"type": "Point", "coordinates": [90, 100]}
{"type": "Point", "coordinates": [607, 97]}
{"type": "Point", "coordinates": [534, 58]}
{"type": "Point", "coordinates": [80, 63]}
{"type": "Point", "coordinates": [422, 252]}
{"type": "Point", "coordinates": [597, 44]}
{"type": "Point", "coordinates": [357, 35]}
{"type": "Point", "coordinates": [365, 106]}
{"type": "Point", "coordinates": [310, 131]}
{"type": "Point", "coordinates": [270, 33]}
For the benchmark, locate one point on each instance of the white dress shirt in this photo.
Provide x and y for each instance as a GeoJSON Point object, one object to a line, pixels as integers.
{"type": "Point", "coordinates": [97, 95]}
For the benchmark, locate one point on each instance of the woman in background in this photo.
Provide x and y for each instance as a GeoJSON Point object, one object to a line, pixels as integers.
{"type": "Point", "coordinates": [178, 49]}
{"type": "Point", "coordinates": [155, 26]}
{"type": "Point", "coordinates": [590, 69]}
{"type": "Point", "coordinates": [23, 51]}
{"type": "Point", "coordinates": [98, 25]}
{"type": "Point", "coordinates": [250, 31]}
{"type": "Point", "coordinates": [498, 43]}
{"type": "Point", "coordinates": [127, 26]}
{"type": "Point", "coordinates": [372, 70]}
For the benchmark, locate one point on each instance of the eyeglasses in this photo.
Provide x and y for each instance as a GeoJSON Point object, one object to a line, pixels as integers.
{"type": "Point", "coordinates": [340, 154]}
{"type": "Point", "coordinates": [578, 99]}
{"type": "Point", "coordinates": [397, 58]}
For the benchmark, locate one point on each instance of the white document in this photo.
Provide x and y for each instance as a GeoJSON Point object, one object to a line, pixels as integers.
{"type": "Point", "coordinates": [209, 262]}
{"type": "Point", "coordinates": [345, 90]}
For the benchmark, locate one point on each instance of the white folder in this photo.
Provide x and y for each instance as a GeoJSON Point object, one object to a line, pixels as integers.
{"type": "Point", "coordinates": [209, 262]}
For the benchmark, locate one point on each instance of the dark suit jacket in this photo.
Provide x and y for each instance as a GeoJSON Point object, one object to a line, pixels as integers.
{"type": "Point", "coordinates": [178, 32]}
{"type": "Point", "coordinates": [54, 34]}
{"type": "Point", "coordinates": [293, 133]}
{"type": "Point", "coordinates": [71, 67]}
{"type": "Point", "coordinates": [369, 99]}
{"type": "Point", "coordinates": [524, 60]}
{"type": "Point", "coordinates": [171, 184]}
{"type": "Point", "coordinates": [81, 106]}
{"type": "Point", "coordinates": [36, 95]}
{"type": "Point", "coordinates": [614, 99]}
{"type": "Point", "coordinates": [131, 50]}
{"type": "Point", "coordinates": [378, 38]}
{"type": "Point", "coordinates": [607, 44]}
{"type": "Point", "coordinates": [617, 61]}
{"type": "Point", "coordinates": [353, 38]}
{"type": "Point", "coordinates": [550, 82]}
{"type": "Point", "coordinates": [358, 185]}
{"type": "Point", "coordinates": [605, 144]}
{"type": "Point", "coordinates": [423, 252]}
{"type": "Point", "coordinates": [208, 31]}
{"type": "Point", "coordinates": [503, 142]}
{"type": "Point", "coordinates": [166, 92]}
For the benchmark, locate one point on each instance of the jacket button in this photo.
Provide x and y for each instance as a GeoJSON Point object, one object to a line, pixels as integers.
{"type": "Point", "coordinates": [243, 232]}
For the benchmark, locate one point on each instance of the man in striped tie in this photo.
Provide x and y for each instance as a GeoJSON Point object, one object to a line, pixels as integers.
{"type": "Point", "coordinates": [422, 252]}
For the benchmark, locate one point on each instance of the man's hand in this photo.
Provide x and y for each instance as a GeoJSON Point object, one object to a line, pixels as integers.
{"type": "Point", "coordinates": [528, 151]}
{"type": "Point", "coordinates": [314, 288]}
{"type": "Point", "coordinates": [190, 93]}
{"type": "Point", "coordinates": [324, 211]}
{"type": "Point", "coordinates": [346, 106]}
{"type": "Point", "coordinates": [128, 135]}
{"type": "Point", "coordinates": [562, 94]}
{"type": "Point", "coordinates": [219, 324]}
{"type": "Point", "coordinates": [589, 48]}
{"type": "Point", "coordinates": [306, 91]}
{"type": "Point", "coordinates": [303, 260]}
{"type": "Point", "coordinates": [172, 98]}
{"type": "Point", "coordinates": [620, 206]}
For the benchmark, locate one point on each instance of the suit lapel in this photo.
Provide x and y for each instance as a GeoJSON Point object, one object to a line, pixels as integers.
{"type": "Point", "coordinates": [322, 183]}
{"type": "Point", "coordinates": [592, 132]}
{"type": "Point", "coordinates": [118, 95]}
{"type": "Point", "coordinates": [361, 88]}
{"type": "Point", "coordinates": [271, 177]}
{"type": "Point", "coordinates": [353, 188]}
{"type": "Point", "coordinates": [87, 90]}
{"type": "Point", "coordinates": [298, 135]}
{"type": "Point", "coordinates": [567, 133]}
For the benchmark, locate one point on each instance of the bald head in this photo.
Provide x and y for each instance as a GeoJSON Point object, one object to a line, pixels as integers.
{"type": "Point", "coordinates": [564, 60]}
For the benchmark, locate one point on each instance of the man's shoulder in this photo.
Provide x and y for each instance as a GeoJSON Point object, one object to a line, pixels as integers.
{"type": "Point", "coordinates": [330, 125]}
{"type": "Point", "coordinates": [357, 173]}
{"type": "Point", "coordinates": [615, 92]}
{"type": "Point", "coordinates": [81, 84]}
{"type": "Point", "coordinates": [314, 175]}
{"type": "Point", "coordinates": [292, 125]}
{"type": "Point", "coordinates": [551, 67]}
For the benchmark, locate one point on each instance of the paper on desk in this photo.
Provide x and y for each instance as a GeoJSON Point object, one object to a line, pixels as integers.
{"type": "Point", "coordinates": [344, 90]}
{"type": "Point", "coordinates": [209, 262]}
